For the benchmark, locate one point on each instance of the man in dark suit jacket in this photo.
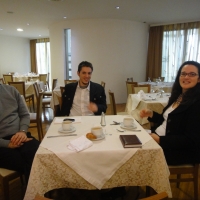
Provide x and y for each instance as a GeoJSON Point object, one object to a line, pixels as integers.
{"type": "Point", "coordinates": [83, 97]}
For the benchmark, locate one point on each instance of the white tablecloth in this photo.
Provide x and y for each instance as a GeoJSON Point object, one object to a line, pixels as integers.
{"type": "Point", "coordinates": [55, 96]}
{"type": "Point", "coordinates": [106, 158]}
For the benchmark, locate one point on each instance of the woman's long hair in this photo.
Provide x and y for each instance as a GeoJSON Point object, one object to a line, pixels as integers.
{"type": "Point", "coordinates": [192, 93]}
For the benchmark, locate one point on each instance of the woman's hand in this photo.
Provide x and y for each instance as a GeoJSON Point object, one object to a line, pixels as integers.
{"type": "Point", "coordinates": [155, 137]}
{"type": "Point", "coordinates": [146, 113]}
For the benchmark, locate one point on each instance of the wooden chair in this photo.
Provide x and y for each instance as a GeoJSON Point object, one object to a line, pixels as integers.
{"type": "Point", "coordinates": [45, 101]}
{"type": "Point", "coordinates": [8, 78]}
{"type": "Point", "coordinates": [36, 118]}
{"type": "Point", "coordinates": [113, 105]}
{"type": "Point", "coordinates": [186, 169]}
{"type": "Point", "coordinates": [62, 89]}
{"type": "Point", "coordinates": [49, 92]}
{"type": "Point", "coordinates": [43, 77]}
{"type": "Point", "coordinates": [129, 87]}
{"type": "Point", "coordinates": [146, 88]}
{"type": "Point", "coordinates": [69, 81]}
{"type": "Point", "coordinates": [103, 84]}
{"type": "Point", "coordinates": [130, 79]}
{"type": "Point", "coordinates": [2, 81]}
{"type": "Point", "coordinates": [6, 176]}
{"type": "Point", "coordinates": [20, 86]}
{"type": "Point", "coordinates": [159, 196]}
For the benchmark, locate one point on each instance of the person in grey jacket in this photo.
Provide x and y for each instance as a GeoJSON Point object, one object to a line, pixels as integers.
{"type": "Point", "coordinates": [83, 97]}
{"type": "Point", "coordinates": [178, 128]}
{"type": "Point", "coordinates": [17, 147]}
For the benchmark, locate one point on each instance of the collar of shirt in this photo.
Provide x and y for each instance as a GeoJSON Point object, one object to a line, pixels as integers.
{"type": "Point", "coordinates": [88, 87]}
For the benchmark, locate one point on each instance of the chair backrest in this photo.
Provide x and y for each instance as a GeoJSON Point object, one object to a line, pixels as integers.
{"type": "Point", "coordinates": [69, 81]}
{"type": "Point", "coordinates": [20, 86]}
{"type": "Point", "coordinates": [129, 87]}
{"type": "Point", "coordinates": [103, 84]}
{"type": "Point", "coordinates": [36, 88]}
{"type": "Point", "coordinates": [39, 105]}
{"type": "Point", "coordinates": [62, 89]}
{"type": "Point", "coordinates": [146, 85]}
{"type": "Point", "coordinates": [8, 78]}
{"type": "Point", "coordinates": [43, 77]}
{"type": "Point", "coordinates": [112, 103]}
{"type": "Point", "coordinates": [159, 196]}
{"type": "Point", "coordinates": [54, 83]}
{"type": "Point", "coordinates": [130, 79]}
{"type": "Point", "coordinates": [1, 80]}
{"type": "Point", "coordinates": [145, 88]}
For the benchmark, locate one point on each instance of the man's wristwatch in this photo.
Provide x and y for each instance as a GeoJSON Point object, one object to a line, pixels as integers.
{"type": "Point", "coordinates": [23, 131]}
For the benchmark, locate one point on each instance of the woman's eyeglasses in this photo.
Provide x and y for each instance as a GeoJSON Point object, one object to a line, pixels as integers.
{"type": "Point", "coordinates": [191, 74]}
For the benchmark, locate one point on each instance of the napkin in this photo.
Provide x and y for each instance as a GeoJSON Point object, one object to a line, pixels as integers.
{"type": "Point", "coordinates": [141, 94]}
{"type": "Point", "coordinates": [79, 144]}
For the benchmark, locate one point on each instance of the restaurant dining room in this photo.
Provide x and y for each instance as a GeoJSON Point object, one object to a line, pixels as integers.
{"type": "Point", "coordinates": [136, 57]}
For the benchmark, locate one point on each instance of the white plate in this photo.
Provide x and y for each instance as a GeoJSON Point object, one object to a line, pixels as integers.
{"type": "Point", "coordinates": [129, 128]}
{"type": "Point", "coordinates": [99, 138]}
{"type": "Point", "coordinates": [60, 130]}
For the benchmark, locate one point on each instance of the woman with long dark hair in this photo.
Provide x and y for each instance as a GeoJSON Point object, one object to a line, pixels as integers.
{"type": "Point", "coordinates": [177, 129]}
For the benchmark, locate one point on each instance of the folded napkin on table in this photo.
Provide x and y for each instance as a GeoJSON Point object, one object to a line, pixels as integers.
{"type": "Point", "coordinates": [79, 144]}
{"type": "Point", "coordinates": [141, 94]}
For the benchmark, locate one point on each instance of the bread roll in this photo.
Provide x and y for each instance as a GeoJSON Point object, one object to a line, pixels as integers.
{"type": "Point", "coordinates": [91, 136]}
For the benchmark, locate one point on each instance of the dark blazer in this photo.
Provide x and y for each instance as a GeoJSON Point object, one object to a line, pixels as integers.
{"type": "Point", "coordinates": [97, 96]}
{"type": "Point", "coordinates": [181, 144]}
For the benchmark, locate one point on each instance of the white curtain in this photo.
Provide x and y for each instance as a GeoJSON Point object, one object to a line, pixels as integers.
{"type": "Point", "coordinates": [181, 42]}
{"type": "Point", "coordinates": [43, 56]}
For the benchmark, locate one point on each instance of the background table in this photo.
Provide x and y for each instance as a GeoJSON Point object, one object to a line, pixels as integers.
{"type": "Point", "coordinates": [166, 86]}
{"type": "Point", "coordinates": [146, 167]}
{"type": "Point", "coordinates": [134, 105]}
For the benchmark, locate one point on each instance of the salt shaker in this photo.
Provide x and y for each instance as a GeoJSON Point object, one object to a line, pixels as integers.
{"type": "Point", "coordinates": [103, 120]}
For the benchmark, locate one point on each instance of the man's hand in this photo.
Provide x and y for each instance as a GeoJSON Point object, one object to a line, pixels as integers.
{"type": "Point", "coordinates": [12, 146]}
{"type": "Point", "coordinates": [18, 138]}
{"type": "Point", "coordinates": [93, 107]}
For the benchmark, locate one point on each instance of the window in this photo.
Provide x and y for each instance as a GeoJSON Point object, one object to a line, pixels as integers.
{"type": "Point", "coordinates": [181, 42]}
{"type": "Point", "coordinates": [68, 64]}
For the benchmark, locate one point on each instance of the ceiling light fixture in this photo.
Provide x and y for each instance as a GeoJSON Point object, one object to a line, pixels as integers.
{"type": "Point", "coordinates": [117, 7]}
{"type": "Point", "coordinates": [27, 24]}
{"type": "Point", "coordinates": [20, 29]}
{"type": "Point", "coordinates": [64, 17]}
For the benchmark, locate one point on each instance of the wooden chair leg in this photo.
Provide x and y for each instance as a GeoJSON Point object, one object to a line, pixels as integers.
{"type": "Point", "coordinates": [178, 183]}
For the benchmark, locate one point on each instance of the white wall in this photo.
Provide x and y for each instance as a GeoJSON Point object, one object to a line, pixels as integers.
{"type": "Point", "coordinates": [14, 54]}
{"type": "Point", "coordinates": [116, 48]}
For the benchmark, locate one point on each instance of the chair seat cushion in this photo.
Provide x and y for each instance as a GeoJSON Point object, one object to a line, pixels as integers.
{"type": "Point", "coordinates": [46, 100]}
{"type": "Point", "coordinates": [5, 172]}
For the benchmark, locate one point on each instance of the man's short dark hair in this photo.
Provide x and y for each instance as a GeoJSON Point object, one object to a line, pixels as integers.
{"type": "Point", "coordinates": [85, 64]}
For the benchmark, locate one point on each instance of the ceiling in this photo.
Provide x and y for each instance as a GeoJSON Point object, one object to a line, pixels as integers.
{"type": "Point", "coordinates": [41, 13]}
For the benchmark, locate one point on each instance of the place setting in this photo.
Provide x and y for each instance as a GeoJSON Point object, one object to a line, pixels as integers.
{"type": "Point", "coordinates": [67, 128]}
{"type": "Point", "coordinates": [96, 133]}
{"type": "Point", "coordinates": [128, 124]}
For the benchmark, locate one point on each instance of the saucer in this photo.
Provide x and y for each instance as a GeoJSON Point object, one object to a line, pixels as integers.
{"type": "Point", "coordinates": [128, 127]}
{"type": "Point", "coordinates": [99, 138]}
{"type": "Point", "coordinates": [60, 130]}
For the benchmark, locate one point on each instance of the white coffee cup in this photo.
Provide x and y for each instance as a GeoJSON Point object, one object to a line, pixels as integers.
{"type": "Point", "coordinates": [97, 131]}
{"type": "Point", "coordinates": [67, 125]}
{"type": "Point", "coordinates": [128, 122]}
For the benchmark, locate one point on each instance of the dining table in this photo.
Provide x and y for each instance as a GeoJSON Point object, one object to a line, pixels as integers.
{"type": "Point", "coordinates": [105, 163]}
{"type": "Point", "coordinates": [156, 86]}
{"type": "Point", "coordinates": [152, 101]}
